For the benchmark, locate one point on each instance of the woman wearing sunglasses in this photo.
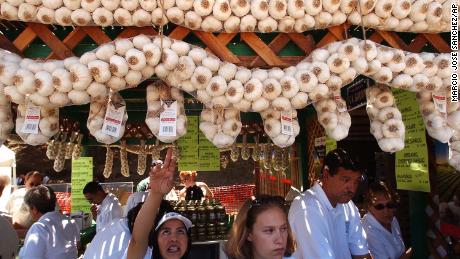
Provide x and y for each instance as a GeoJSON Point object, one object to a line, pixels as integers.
{"type": "Point", "coordinates": [261, 230]}
{"type": "Point", "coordinates": [381, 226]}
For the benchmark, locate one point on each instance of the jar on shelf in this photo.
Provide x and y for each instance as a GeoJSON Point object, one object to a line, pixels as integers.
{"type": "Point", "coordinates": [211, 214]}
{"type": "Point", "coordinates": [202, 215]}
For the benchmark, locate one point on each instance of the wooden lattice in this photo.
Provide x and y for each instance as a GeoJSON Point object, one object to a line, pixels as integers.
{"type": "Point", "coordinates": [267, 53]}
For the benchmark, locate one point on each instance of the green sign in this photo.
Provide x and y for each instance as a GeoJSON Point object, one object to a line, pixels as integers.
{"type": "Point", "coordinates": [188, 146]}
{"type": "Point", "coordinates": [82, 173]}
{"type": "Point", "coordinates": [196, 152]}
{"type": "Point", "coordinates": [209, 155]}
{"type": "Point", "coordinates": [412, 162]}
{"type": "Point", "coordinates": [331, 144]}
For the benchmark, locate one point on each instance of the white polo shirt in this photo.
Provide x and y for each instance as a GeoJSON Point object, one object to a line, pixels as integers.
{"type": "Point", "coordinates": [109, 210]}
{"type": "Point", "coordinates": [137, 197]}
{"type": "Point", "coordinates": [134, 199]}
{"type": "Point", "coordinates": [112, 242]}
{"type": "Point", "coordinates": [53, 236]}
{"type": "Point", "coordinates": [382, 243]}
{"type": "Point", "coordinates": [18, 209]}
{"type": "Point", "coordinates": [322, 231]}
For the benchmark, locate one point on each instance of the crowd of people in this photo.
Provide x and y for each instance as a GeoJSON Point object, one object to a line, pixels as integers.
{"type": "Point", "coordinates": [322, 222]}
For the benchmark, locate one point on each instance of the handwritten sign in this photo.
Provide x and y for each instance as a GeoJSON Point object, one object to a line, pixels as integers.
{"type": "Point", "coordinates": [411, 165]}
{"type": "Point", "coordinates": [209, 155]}
{"type": "Point", "coordinates": [82, 173]}
{"type": "Point", "coordinates": [331, 144]}
{"type": "Point", "coordinates": [188, 146]}
{"type": "Point", "coordinates": [197, 152]}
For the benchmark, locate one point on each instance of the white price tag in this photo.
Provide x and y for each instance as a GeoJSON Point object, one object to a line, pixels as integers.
{"type": "Point", "coordinates": [168, 119]}
{"type": "Point", "coordinates": [286, 123]}
{"type": "Point", "coordinates": [341, 104]}
{"type": "Point", "coordinates": [113, 120]}
{"type": "Point", "coordinates": [440, 102]}
{"type": "Point", "coordinates": [31, 120]}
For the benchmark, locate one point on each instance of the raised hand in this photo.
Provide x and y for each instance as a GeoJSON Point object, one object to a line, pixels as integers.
{"type": "Point", "coordinates": [162, 176]}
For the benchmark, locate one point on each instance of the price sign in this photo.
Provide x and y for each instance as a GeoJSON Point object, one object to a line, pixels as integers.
{"type": "Point", "coordinates": [440, 102]}
{"type": "Point", "coordinates": [113, 120]}
{"type": "Point", "coordinates": [286, 123]}
{"type": "Point", "coordinates": [168, 119]}
{"type": "Point", "coordinates": [31, 120]}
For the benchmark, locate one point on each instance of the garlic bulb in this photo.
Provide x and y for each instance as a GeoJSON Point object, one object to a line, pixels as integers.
{"type": "Point", "coordinates": [235, 91]}
{"type": "Point", "coordinates": [221, 10]}
{"type": "Point", "coordinates": [259, 9]}
{"type": "Point", "coordinates": [221, 127]}
{"type": "Point", "coordinates": [216, 86]}
{"type": "Point", "coordinates": [80, 76]}
{"type": "Point", "coordinates": [253, 89]}
{"type": "Point", "coordinates": [386, 120]}
{"type": "Point", "coordinates": [277, 9]}
{"type": "Point", "coordinates": [203, 7]}
{"type": "Point", "coordinates": [48, 125]}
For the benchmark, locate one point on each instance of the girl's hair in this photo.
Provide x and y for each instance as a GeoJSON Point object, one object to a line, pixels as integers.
{"type": "Point", "coordinates": [238, 247]}
{"type": "Point", "coordinates": [379, 188]}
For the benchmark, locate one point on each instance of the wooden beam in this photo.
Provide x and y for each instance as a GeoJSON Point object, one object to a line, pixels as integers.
{"type": "Point", "coordinates": [417, 44]}
{"type": "Point", "coordinates": [129, 32]}
{"type": "Point", "coordinates": [24, 39]}
{"type": "Point", "coordinates": [224, 38]}
{"type": "Point", "coordinates": [304, 42]}
{"type": "Point", "coordinates": [53, 42]}
{"type": "Point", "coordinates": [277, 44]}
{"type": "Point", "coordinates": [217, 47]}
{"type": "Point", "coordinates": [261, 49]}
{"type": "Point", "coordinates": [437, 42]}
{"type": "Point", "coordinates": [392, 39]}
{"type": "Point", "coordinates": [71, 40]}
{"type": "Point", "coordinates": [338, 31]}
{"type": "Point", "coordinates": [179, 33]}
{"type": "Point", "coordinates": [97, 34]}
{"type": "Point", "coordinates": [6, 44]}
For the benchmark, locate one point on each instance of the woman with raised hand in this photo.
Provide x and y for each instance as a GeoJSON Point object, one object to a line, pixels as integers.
{"type": "Point", "coordinates": [170, 237]}
{"type": "Point", "coordinates": [261, 230]}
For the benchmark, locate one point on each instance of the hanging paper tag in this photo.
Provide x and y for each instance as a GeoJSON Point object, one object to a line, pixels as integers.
{"type": "Point", "coordinates": [341, 104]}
{"type": "Point", "coordinates": [440, 102]}
{"type": "Point", "coordinates": [113, 120]}
{"type": "Point", "coordinates": [31, 120]}
{"type": "Point", "coordinates": [168, 119]}
{"type": "Point", "coordinates": [286, 123]}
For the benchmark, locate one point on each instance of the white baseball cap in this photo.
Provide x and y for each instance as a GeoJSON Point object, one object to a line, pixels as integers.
{"type": "Point", "coordinates": [173, 215]}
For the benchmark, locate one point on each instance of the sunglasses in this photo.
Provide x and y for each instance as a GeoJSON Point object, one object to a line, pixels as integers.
{"type": "Point", "coordinates": [389, 205]}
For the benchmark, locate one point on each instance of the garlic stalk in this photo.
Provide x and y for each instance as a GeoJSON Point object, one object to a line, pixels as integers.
{"type": "Point", "coordinates": [124, 166]}
{"type": "Point", "coordinates": [108, 162]}
{"type": "Point", "coordinates": [142, 158]}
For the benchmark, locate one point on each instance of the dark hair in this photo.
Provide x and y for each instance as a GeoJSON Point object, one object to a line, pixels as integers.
{"type": "Point", "coordinates": [42, 198]}
{"type": "Point", "coordinates": [379, 188]}
{"type": "Point", "coordinates": [238, 247]}
{"type": "Point", "coordinates": [339, 158]}
{"type": "Point", "coordinates": [93, 188]}
{"type": "Point", "coordinates": [165, 207]}
{"type": "Point", "coordinates": [193, 193]}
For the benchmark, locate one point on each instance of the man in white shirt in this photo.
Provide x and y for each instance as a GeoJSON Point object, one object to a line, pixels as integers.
{"type": "Point", "coordinates": [105, 206]}
{"type": "Point", "coordinates": [22, 219]}
{"type": "Point", "coordinates": [53, 235]}
{"type": "Point", "coordinates": [324, 220]}
{"type": "Point", "coordinates": [9, 238]}
{"type": "Point", "coordinates": [112, 241]}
